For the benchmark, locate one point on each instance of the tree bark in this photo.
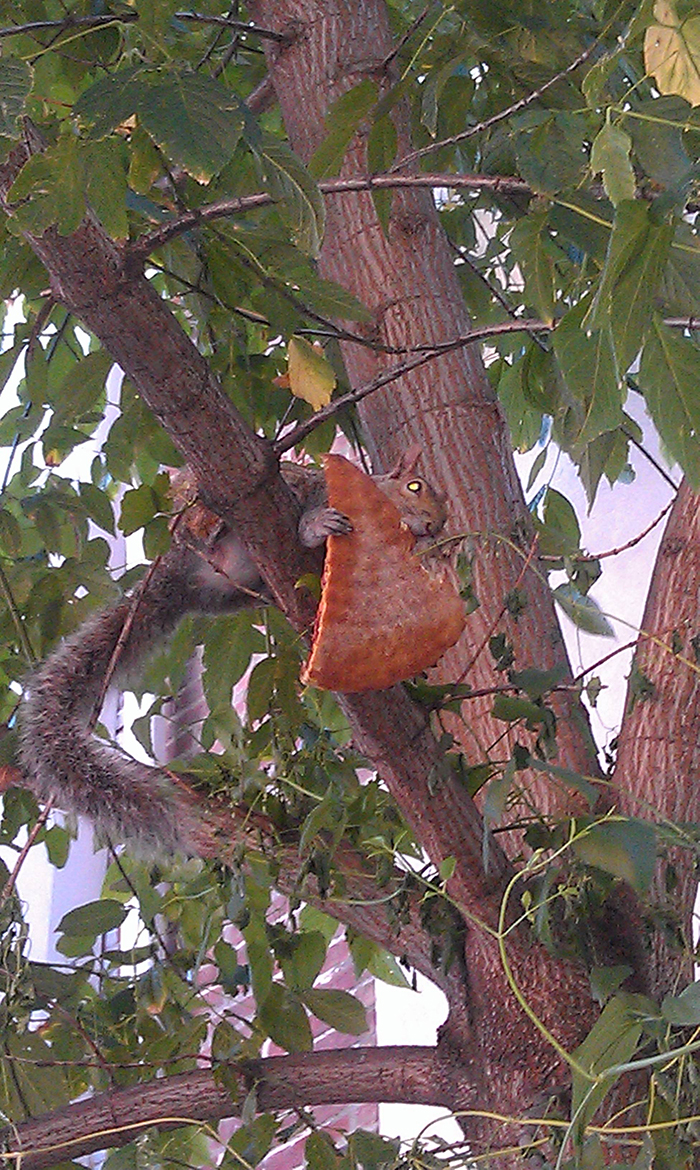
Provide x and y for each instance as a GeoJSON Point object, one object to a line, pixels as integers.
{"type": "Point", "coordinates": [115, 1118]}
{"type": "Point", "coordinates": [658, 764]}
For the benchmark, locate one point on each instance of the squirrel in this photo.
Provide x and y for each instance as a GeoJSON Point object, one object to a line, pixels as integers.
{"type": "Point", "coordinates": [127, 800]}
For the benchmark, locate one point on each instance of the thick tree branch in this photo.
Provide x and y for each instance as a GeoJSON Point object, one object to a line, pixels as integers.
{"type": "Point", "coordinates": [113, 1119]}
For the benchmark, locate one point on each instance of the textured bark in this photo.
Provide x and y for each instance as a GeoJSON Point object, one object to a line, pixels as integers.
{"type": "Point", "coordinates": [280, 1082]}
{"type": "Point", "coordinates": [658, 764]}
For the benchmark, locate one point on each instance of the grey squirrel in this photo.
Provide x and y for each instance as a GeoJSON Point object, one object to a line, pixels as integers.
{"type": "Point", "coordinates": [60, 757]}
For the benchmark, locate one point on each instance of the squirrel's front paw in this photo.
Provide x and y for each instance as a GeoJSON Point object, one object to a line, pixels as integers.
{"type": "Point", "coordinates": [318, 524]}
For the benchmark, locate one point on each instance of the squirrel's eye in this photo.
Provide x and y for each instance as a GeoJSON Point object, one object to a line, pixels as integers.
{"type": "Point", "coordinates": [414, 485]}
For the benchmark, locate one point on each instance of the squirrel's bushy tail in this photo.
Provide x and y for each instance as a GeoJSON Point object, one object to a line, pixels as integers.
{"type": "Point", "coordinates": [61, 758]}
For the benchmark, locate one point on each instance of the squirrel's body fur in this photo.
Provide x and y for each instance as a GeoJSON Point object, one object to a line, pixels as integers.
{"type": "Point", "coordinates": [62, 760]}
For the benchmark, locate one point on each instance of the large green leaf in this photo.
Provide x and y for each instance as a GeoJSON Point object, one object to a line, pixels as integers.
{"type": "Point", "coordinates": [531, 245]}
{"type": "Point", "coordinates": [342, 121]}
{"type": "Point", "coordinates": [612, 1040]}
{"type": "Point", "coordinates": [301, 205]}
{"type": "Point", "coordinates": [624, 301]}
{"type": "Point", "coordinates": [283, 1017]}
{"type": "Point", "coordinates": [15, 84]}
{"type": "Point", "coordinates": [669, 381]}
{"type": "Point", "coordinates": [583, 611]}
{"type": "Point", "coordinates": [337, 1008]}
{"type": "Point", "coordinates": [622, 846]}
{"type": "Point", "coordinates": [610, 154]}
{"type": "Point", "coordinates": [588, 365]}
{"type": "Point", "coordinates": [195, 119]}
{"type": "Point", "coordinates": [94, 918]}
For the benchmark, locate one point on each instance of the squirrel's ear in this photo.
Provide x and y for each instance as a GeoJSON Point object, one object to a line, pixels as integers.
{"type": "Point", "coordinates": [406, 464]}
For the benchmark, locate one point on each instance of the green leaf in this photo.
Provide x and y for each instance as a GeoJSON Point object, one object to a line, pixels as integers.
{"type": "Point", "coordinates": [612, 1040]}
{"type": "Point", "coordinates": [15, 84]}
{"type": "Point", "coordinates": [93, 918]}
{"type": "Point", "coordinates": [368, 956]}
{"type": "Point", "coordinates": [138, 506]}
{"type": "Point", "coordinates": [610, 154]}
{"type": "Point", "coordinates": [342, 121]}
{"type": "Point", "coordinates": [111, 100]}
{"type": "Point", "coordinates": [605, 981]}
{"type": "Point", "coordinates": [194, 119]}
{"type": "Point", "coordinates": [669, 381]}
{"type": "Point", "coordinates": [57, 841]}
{"type": "Point", "coordinates": [283, 1017]}
{"type": "Point", "coordinates": [381, 152]}
{"type": "Point", "coordinates": [589, 370]}
{"type": "Point", "coordinates": [636, 258]}
{"type": "Point", "coordinates": [510, 709]}
{"type": "Point", "coordinates": [531, 246]}
{"type": "Point", "coordinates": [569, 777]}
{"type": "Point", "coordinates": [656, 130]}
{"type": "Point", "coordinates": [373, 1151]}
{"type": "Point", "coordinates": [304, 960]}
{"type": "Point", "coordinates": [583, 611]}
{"type": "Point", "coordinates": [98, 506]}
{"type": "Point", "coordinates": [302, 205]}
{"type": "Point", "coordinates": [559, 532]}
{"type": "Point", "coordinates": [341, 1010]}
{"type": "Point", "coordinates": [537, 683]}
{"type": "Point", "coordinates": [320, 1152]}
{"type": "Point", "coordinates": [10, 533]}
{"type": "Point", "coordinates": [683, 1010]}
{"type": "Point", "coordinates": [81, 389]}
{"type": "Point", "coordinates": [622, 846]}
{"type": "Point", "coordinates": [250, 1143]}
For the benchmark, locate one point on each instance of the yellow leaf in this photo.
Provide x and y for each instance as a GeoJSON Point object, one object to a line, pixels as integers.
{"type": "Point", "coordinates": [672, 52]}
{"type": "Point", "coordinates": [311, 377]}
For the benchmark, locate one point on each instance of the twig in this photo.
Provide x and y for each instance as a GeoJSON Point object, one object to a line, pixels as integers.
{"type": "Point", "coordinates": [614, 552]}
{"type": "Point", "coordinates": [40, 822]}
{"type": "Point", "coordinates": [238, 25]}
{"type": "Point", "coordinates": [495, 118]}
{"type": "Point", "coordinates": [69, 22]}
{"type": "Point", "coordinates": [650, 458]}
{"type": "Point", "coordinates": [435, 351]}
{"type": "Point", "coordinates": [225, 208]}
{"type": "Point", "coordinates": [121, 640]}
{"type": "Point", "coordinates": [6, 590]}
{"type": "Point", "coordinates": [601, 661]}
{"type": "Point", "coordinates": [499, 617]}
{"type": "Point", "coordinates": [406, 37]}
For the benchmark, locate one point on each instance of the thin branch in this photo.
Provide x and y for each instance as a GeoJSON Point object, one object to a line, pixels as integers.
{"type": "Point", "coordinates": [614, 552]}
{"type": "Point", "coordinates": [300, 431]}
{"type": "Point", "coordinates": [237, 25]}
{"type": "Point", "coordinates": [225, 208]}
{"type": "Point", "coordinates": [405, 38]}
{"type": "Point", "coordinates": [650, 459]}
{"type": "Point", "coordinates": [69, 22]}
{"type": "Point", "coordinates": [492, 121]}
{"type": "Point", "coordinates": [409, 1074]}
{"type": "Point", "coordinates": [31, 838]}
